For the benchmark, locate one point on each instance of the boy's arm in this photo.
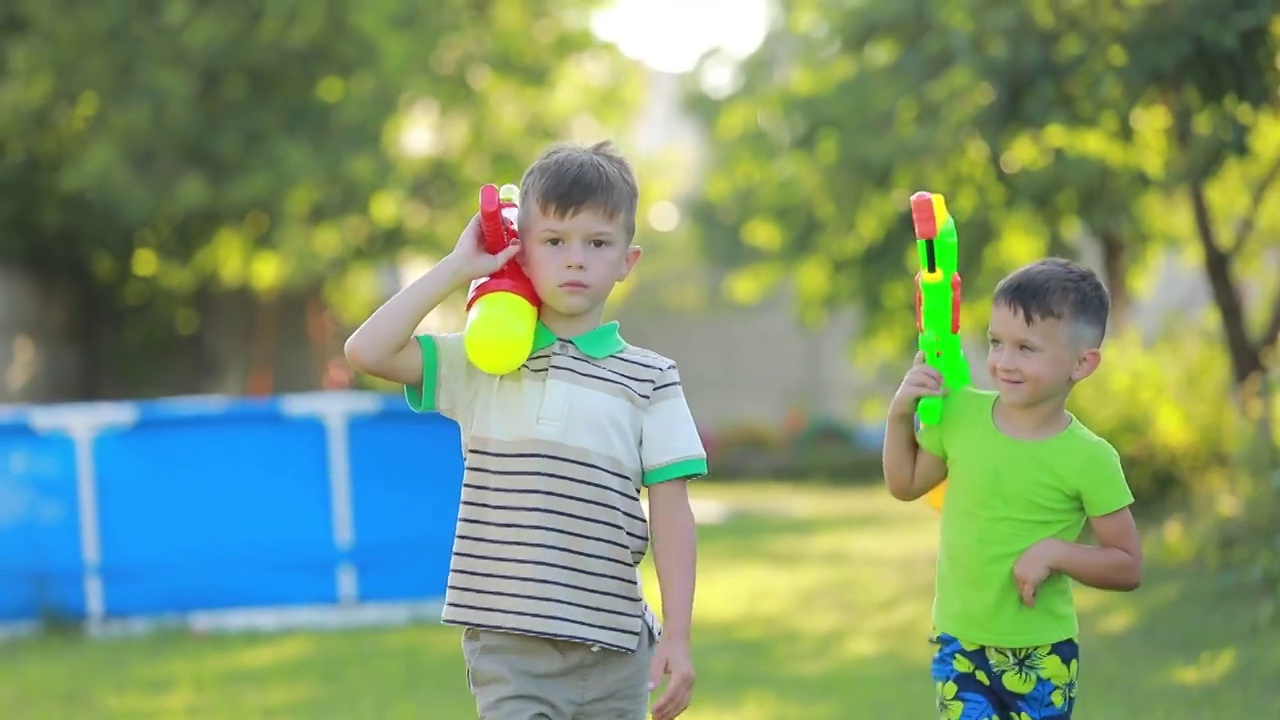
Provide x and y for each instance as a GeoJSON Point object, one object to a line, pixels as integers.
{"type": "Point", "coordinates": [911, 470]}
{"type": "Point", "coordinates": [1115, 563]}
{"type": "Point", "coordinates": [671, 452]}
{"type": "Point", "coordinates": [675, 554]}
{"type": "Point", "coordinates": [384, 345]}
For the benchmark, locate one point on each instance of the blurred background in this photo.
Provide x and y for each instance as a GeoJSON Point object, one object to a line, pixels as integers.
{"type": "Point", "coordinates": [204, 513]}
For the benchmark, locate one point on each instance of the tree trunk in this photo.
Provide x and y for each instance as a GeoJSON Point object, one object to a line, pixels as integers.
{"type": "Point", "coordinates": [97, 330]}
{"type": "Point", "coordinates": [262, 370]}
{"type": "Point", "coordinates": [1248, 370]}
{"type": "Point", "coordinates": [1115, 268]}
{"type": "Point", "coordinates": [1246, 362]}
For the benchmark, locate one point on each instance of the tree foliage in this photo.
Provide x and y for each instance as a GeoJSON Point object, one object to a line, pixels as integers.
{"type": "Point", "coordinates": [157, 152]}
{"type": "Point", "coordinates": [1043, 123]}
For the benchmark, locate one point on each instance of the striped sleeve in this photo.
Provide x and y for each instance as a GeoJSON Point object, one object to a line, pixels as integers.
{"type": "Point", "coordinates": [447, 377]}
{"type": "Point", "coordinates": [670, 446]}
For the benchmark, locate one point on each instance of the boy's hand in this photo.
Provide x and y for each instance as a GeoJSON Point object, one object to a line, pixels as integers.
{"type": "Point", "coordinates": [469, 255]}
{"type": "Point", "coordinates": [671, 658]}
{"type": "Point", "coordinates": [1033, 568]}
{"type": "Point", "coordinates": [921, 381]}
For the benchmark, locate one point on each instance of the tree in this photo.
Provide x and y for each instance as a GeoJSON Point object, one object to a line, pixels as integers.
{"type": "Point", "coordinates": [1043, 123]}
{"type": "Point", "coordinates": [153, 160]}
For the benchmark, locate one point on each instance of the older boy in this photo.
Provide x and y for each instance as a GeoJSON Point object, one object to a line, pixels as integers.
{"type": "Point", "coordinates": [551, 529]}
{"type": "Point", "coordinates": [1024, 475]}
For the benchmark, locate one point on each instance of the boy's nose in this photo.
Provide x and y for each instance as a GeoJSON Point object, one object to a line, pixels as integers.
{"type": "Point", "coordinates": [574, 255]}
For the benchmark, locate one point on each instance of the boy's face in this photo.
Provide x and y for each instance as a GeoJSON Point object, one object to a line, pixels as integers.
{"type": "Point", "coordinates": [575, 261]}
{"type": "Point", "coordinates": [1032, 364]}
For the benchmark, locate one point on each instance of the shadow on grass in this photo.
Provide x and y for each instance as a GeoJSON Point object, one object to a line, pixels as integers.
{"type": "Point", "coordinates": [1181, 647]}
{"type": "Point", "coordinates": [754, 673]}
{"type": "Point", "coordinates": [393, 673]}
{"type": "Point", "coordinates": [812, 604]}
{"type": "Point", "coordinates": [823, 613]}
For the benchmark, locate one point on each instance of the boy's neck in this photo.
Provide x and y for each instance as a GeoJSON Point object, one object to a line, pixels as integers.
{"type": "Point", "coordinates": [570, 326]}
{"type": "Point", "coordinates": [1032, 422]}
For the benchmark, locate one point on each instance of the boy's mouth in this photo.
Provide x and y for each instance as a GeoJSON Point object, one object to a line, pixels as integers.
{"type": "Point", "coordinates": [574, 285]}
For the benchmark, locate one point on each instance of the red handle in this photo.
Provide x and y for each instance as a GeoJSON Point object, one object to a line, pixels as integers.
{"type": "Point", "coordinates": [492, 235]}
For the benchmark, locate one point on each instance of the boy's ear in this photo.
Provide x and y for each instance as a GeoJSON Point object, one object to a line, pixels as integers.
{"type": "Point", "coordinates": [629, 261]}
{"type": "Point", "coordinates": [1086, 364]}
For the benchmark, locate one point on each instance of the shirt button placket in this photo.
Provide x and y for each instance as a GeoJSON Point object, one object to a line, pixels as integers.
{"type": "Point", "coordinates": [552, 408]}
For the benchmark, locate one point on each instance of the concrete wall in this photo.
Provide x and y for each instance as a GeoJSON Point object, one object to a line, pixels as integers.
{"type": "Point", "coordinates": [752, 365]}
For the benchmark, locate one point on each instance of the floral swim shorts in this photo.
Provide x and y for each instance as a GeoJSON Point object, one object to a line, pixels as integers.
{"type": "Point", "coordinates": [978, 682]}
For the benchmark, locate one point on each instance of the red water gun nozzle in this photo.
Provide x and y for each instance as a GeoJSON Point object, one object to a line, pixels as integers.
{"type": "Point", "coordinates": [923, 216]}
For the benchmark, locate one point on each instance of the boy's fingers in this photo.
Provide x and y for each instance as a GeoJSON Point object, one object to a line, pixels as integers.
{"type": "Point", "coordinates": [929, 380]}
{"type": "Point", "coordinates": [918, 366]}
{"type": "Point", "coordinates": [920, 389]}
{"type": "Point", "coordinates": [675, 700]}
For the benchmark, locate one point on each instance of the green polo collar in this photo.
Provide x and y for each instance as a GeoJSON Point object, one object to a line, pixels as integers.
{"type": "Point", "coordinates": [600, 342]}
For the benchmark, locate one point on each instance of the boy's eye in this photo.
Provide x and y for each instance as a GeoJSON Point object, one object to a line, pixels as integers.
{"type": "Point", "coordinates": [553, 241]}
{"type": "Point", "coordinates": [993, 342]}
{"type": "Point", "coordinates": [599, 243]}
{"type": "Point", "coordinates": [1025, 348]}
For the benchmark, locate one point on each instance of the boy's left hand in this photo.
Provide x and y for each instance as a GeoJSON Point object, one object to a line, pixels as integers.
{"type": "Point", "coordinates": [1033, 568]}
{"type": "Point", "coordinates": [671, 658]}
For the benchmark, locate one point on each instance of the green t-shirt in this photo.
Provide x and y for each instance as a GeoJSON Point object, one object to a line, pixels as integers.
{"type": "Point", "coordinates": [1003, 496]}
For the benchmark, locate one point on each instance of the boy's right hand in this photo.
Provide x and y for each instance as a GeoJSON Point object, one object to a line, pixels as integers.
{"type": "Point", "coordinates": [470, 258]}
{"type": "Point", "coordinates": [921, 381]}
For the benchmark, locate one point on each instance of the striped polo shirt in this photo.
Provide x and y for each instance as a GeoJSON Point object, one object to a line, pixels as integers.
{"type": "Point", "coordinates": [551, 530]}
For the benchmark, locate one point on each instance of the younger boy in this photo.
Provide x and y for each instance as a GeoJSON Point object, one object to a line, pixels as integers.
{"type": "Point", "coordinates": [1022, 475]}
{"type": "Point", "coordinates": [551, 529]}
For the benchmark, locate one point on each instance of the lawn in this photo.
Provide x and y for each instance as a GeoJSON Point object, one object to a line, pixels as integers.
{"type": "Point", "coordinates": [812, 604]}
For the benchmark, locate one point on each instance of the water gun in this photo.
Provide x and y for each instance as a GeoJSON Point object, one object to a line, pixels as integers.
{"type": "Point", "coordinates": [502, 309]}
{"type": "Point", "coordinates": [938, 307]}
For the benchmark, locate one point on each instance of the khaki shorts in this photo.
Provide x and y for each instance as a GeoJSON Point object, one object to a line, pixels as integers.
{"type": "Point", "coordinates": [520, 677]}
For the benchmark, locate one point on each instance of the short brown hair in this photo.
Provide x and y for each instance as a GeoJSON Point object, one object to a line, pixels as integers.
{"type": "Point", "coordinates": [567, 179]}
{"type": "Point", "coordinates": [1059, 289]}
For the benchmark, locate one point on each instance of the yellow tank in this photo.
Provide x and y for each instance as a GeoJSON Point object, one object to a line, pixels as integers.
{"type": "Point", "coordinates": [499, 333]}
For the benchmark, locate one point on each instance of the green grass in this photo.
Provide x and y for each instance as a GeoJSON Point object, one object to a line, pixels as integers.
{"type": "Point", "coordinates": [813, 603]}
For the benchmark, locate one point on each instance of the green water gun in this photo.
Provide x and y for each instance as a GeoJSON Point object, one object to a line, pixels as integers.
{"type": "Point", "coordinates": [938, 299]}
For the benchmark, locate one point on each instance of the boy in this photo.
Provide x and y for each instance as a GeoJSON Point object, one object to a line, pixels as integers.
{"type": "Point", "coordinates": [551, 529]}
{"type": "Point", "coordinates": [1023, 476]}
